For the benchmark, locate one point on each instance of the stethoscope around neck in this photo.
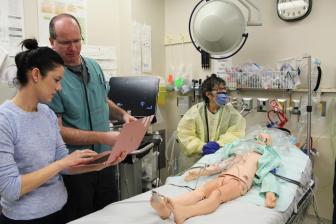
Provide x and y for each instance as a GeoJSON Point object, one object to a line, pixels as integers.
{"type": "Point", "coordinates": [207, 122]}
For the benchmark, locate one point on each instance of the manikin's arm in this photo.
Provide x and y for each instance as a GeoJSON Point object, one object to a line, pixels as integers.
{"type": "Point", "coordinates": [270, 200]}
{"type": "Point", "coordinates": [212, 169]}
{"type": "Point", "coordinates": [206, 171]}
{"type": "Point", "coordinates": [269, 180]}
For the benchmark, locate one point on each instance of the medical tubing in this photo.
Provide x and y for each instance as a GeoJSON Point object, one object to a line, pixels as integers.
{"type": "Point", "coordinates": [129, 202]}
{"type": "Point", "coordinates": [269, 116]}
{"type": "Point", "coordinates": [305, 187]}
{"type": "Point", "coordinates": [168, 144]}
{"type": "Point", "coordinates": [207, 123]}
{"type": "Point", "coordinates": [243, 109]}
{"type": "Point", "coordinates": [289, 180]}
{"type": "Point", "coordinates": [183, 186]}
{"type": "Point", "coordinates": [199, 175]}
{"type": "Point", "coordinates": [170, 161]}
{"type": "Point", "coordinates": [319, 75]}
{"type": "Point", "coordinates": [195, 167]}
{"type": "Point", "coordinates": [118, 180]}
{"type": "Point", "coordinates": [126, 183]}
{"type": "Point", "coordinates": [315, 206]}
{"type": "Point", "coordinates": [248, 112]}
{"type": "Point", "coordinates": [158, 183]}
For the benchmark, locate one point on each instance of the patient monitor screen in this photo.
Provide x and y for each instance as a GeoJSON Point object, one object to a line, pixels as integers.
{"type": "Point", "coordinates": [137, 94]}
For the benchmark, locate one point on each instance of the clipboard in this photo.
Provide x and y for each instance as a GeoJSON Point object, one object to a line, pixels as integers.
{"type": "Point", "coordinates": [129, 139]}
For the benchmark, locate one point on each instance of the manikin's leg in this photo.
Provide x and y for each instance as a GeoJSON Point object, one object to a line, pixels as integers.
{"type": "Point", "coordinates": [199, 193]}
{"type": "Point", "coordinates": [226, 190]}
{"type": "Point", "coordinates": [230, 190]}
{"type": "Point", "coordinates": [161, 203]}
{"type": "Point", "coordinates": [203, 207]}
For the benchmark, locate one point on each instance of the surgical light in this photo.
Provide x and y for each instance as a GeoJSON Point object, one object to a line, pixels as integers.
{"type": "Point", "coordinates": [217, 27]}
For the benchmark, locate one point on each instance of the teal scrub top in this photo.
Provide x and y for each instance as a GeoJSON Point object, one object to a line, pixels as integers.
{"type": "Point", "coordinates": [84, 106]}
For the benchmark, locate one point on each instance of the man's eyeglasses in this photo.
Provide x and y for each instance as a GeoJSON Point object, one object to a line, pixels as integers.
{"type": "Point", "coordinates": [70, 42]}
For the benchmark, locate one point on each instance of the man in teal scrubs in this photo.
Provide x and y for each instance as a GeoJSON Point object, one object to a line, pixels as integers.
{"type": "Point", "coordinates": [84, 111]}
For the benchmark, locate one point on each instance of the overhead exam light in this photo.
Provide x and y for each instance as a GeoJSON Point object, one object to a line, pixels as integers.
{"type": "Point", "coordinates": [217, 27]}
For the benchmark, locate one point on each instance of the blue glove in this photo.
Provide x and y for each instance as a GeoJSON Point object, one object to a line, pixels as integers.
{"type": "Point", "coordinates": [210, 147]}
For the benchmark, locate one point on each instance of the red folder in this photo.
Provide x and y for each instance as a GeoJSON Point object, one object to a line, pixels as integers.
{"type": "Point", "coordinates": [129, 139]}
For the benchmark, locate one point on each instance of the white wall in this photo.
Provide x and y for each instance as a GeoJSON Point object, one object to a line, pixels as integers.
{"type": "Point", "coordinates": [277, 39]}
{"type": "Point", "coordinates": [274, 40]}
{"type": "Point", "coordinates": [151, 12]}
{"type": "Point", "coordinates": [109, 23]}
{"type": "Point", "coordinates": [266, 45]}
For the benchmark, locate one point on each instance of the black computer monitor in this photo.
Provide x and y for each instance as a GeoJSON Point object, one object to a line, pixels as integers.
{"type": "Point", "coordinates": [135, 94]}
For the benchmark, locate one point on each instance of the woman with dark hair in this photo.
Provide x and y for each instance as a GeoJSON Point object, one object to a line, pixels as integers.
{"type": "Point", "coordinates": [32, 152]}
{"type": "Point", "coordinates": [211, 124]}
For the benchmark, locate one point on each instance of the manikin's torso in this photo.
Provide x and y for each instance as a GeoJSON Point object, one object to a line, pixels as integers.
{"type": "Point", "coordinates": [244, 167]}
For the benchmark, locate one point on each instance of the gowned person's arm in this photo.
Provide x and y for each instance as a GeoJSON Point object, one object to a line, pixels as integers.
{"type": "Point", "coordinates": [73, 136]}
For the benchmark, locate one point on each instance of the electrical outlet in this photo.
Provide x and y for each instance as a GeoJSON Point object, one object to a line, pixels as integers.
{"type": "Point", "coordinates": [235, 103]}
{"type": "Point", "coordinates": [295, 104]}
{"type": "Point", "coordinates": [323, 106]}
{"type": "Point", "coordinates": [262, 104]}
{"type": "Point", "coordinates": [247, 103]}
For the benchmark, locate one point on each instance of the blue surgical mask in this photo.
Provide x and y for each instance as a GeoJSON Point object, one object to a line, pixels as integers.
{"type": "Point", "coordinates": [222, 98]}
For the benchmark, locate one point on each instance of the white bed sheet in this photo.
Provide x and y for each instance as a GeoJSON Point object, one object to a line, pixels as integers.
{"type": "Point", "coordinates": [138, 210]}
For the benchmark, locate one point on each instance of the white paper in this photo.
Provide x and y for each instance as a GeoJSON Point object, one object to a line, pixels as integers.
{"type": "Point", "coordinates": [105, 56]}
{"type": "Point", "coordinates": [136, 48]}
{"type": "Point", "coordinates": [3, 56]}
{"type": "Point", "coordinates": [222, 67]}
{"type": "Point", "coordinates": [4, 22]}
{"type": "Point", "coordinates": [146, 49]}
{"type": "Point", "coordinates": [8, 73]}
{"type": "Point", "coordinates": [108, 53]}
{"type": "Point", "coordinates": [11, 34]}
{"type": "Point", "coordinates": [90, 51]}
{"type": "Point", "coordinates": [108, 65]}
{"type": "Point", "coordinates": [12, 25]}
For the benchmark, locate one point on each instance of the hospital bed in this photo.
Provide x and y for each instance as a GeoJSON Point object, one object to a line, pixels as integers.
{"type": "Point", "coordinates": [246, 209]}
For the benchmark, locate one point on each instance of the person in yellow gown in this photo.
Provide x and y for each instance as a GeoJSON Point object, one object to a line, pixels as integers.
{"type": "Point", "coordinates": [210, 124]}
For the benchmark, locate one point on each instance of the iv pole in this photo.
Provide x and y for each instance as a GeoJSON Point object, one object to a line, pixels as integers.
{"type": "Point", "coordinates": [309, 108]}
